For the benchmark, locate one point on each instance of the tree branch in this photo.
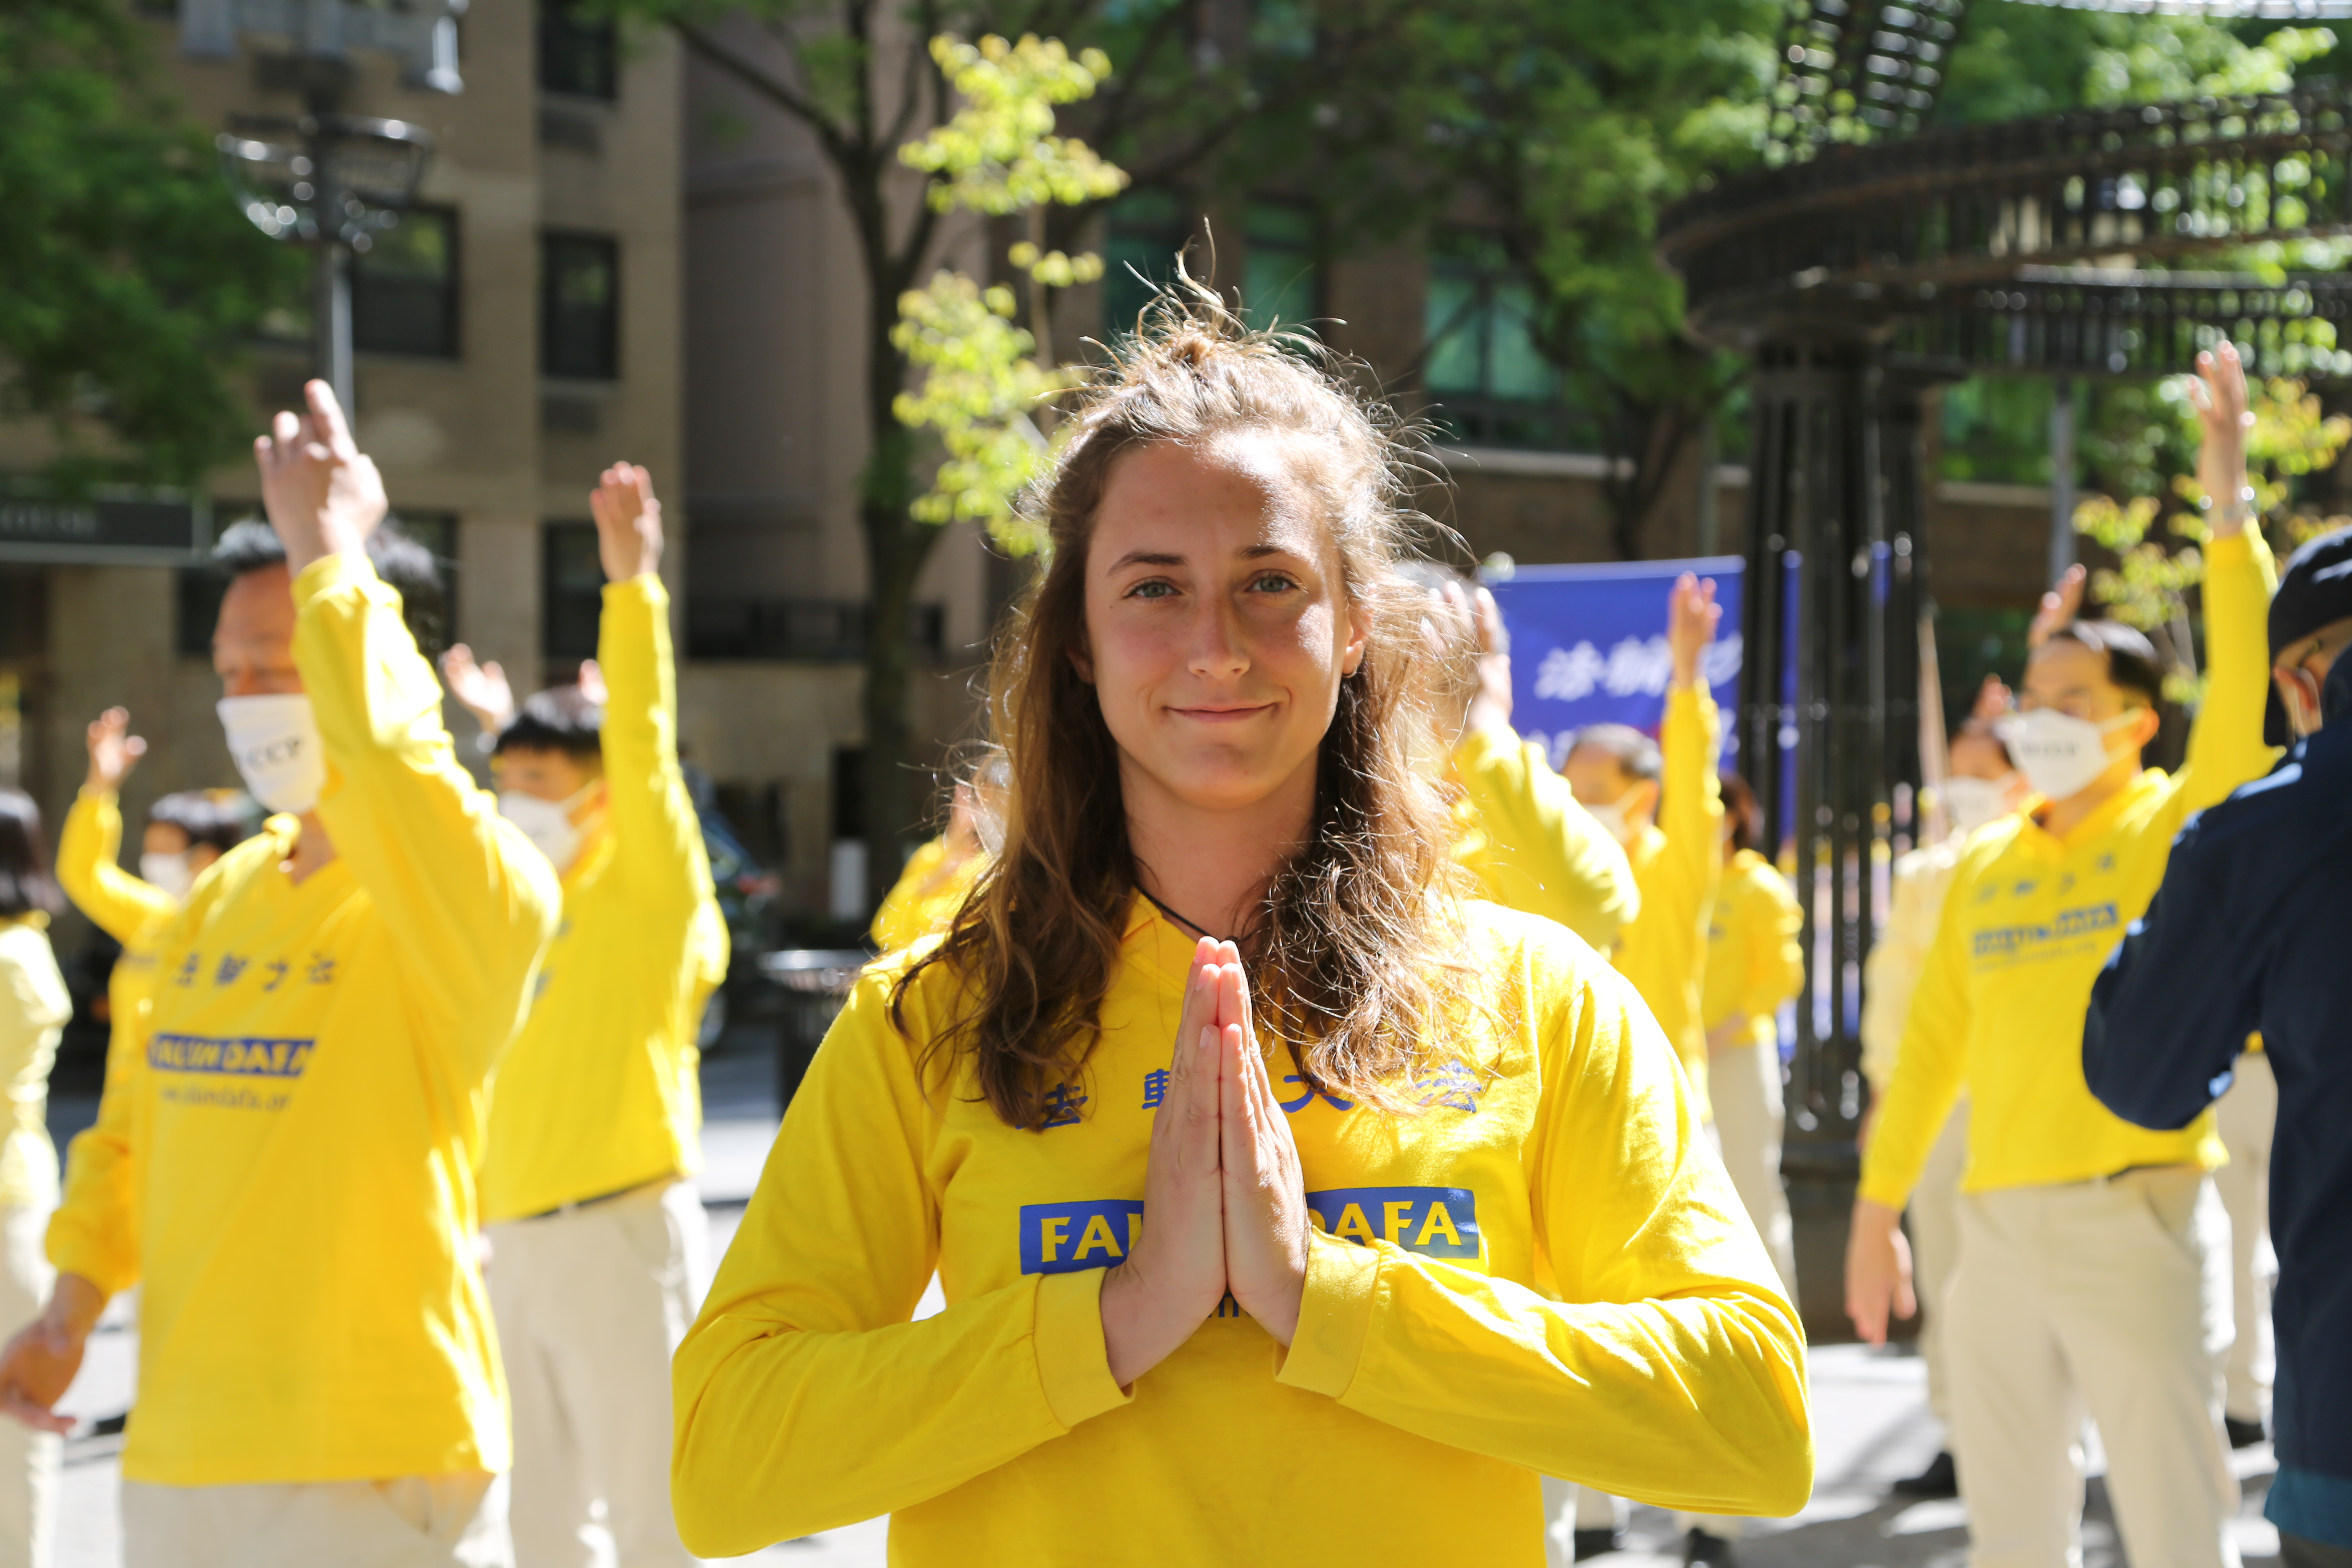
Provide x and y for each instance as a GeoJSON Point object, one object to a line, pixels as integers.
{"type": "Point", "coordinates": [768, 85]}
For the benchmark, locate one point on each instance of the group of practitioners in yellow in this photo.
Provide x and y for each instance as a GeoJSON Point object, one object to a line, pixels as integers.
{"type": "Point", "coordinates": [1337, 1135]}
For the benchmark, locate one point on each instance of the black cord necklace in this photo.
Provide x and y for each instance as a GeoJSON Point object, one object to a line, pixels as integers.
{"type": "Point", "coordinates": [1195, 927]}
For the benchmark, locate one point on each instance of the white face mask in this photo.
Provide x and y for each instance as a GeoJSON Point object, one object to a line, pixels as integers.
{"type": "Point", "coordinates": [2062, 755]}
{"type": "Point", "coordinates": [548, 823]}
{"type": "Point", "coordinates": [1972, 802]}
{"type": "Point", "coordinates": [167, 872]}
{"type": "Point", "coordinates": [1610, 815]}
{"type": "Point", "coordinates": [275, 743]}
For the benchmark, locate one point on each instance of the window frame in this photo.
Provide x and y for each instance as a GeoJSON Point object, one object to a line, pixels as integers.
{"type": "Point", "coordinates": [549, 241]}
{"type": "Point", "coordinates": [452, 289]}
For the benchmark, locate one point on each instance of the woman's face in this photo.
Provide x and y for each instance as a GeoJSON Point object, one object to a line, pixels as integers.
{"type": "Point", "coordinates": [1217, 629]}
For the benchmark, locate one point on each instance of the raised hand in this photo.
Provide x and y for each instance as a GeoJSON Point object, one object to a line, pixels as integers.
{"type": "Point", "coordinates": [480, 689]}
{"type": "Point", "coordinates": [628, 522]}
{"type": "Point", "coordinates": [1176, 1275]}
{"type": "Point", "coordinates": [1994, 700]}
{"type": "Point", "coordinates": [113, 750]}
{"type": "Point", "coordinates": [1692, 615]}
{"type": "Point", "coordinates": [1265, 1186]}
{"type": "Point", "coordinates": [2059, 608]}
{"type": "Point", "coordinates": [322, 492]}
{"type": "Point", "coordinates": [2218, 391]}
{"type": "Point", "coordinates": [591, 680]}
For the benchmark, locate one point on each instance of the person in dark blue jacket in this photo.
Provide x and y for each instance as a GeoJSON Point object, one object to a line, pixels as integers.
{"type": "Point", "coordinates": [2251, 930]}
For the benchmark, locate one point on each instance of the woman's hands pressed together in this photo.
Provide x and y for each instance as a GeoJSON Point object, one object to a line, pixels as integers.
{"type": "Point", "coordinates": [1224, 1200]}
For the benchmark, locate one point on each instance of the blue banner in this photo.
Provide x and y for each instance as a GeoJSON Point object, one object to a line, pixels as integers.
{"type": "Point", "coordinates": [1589, 646]}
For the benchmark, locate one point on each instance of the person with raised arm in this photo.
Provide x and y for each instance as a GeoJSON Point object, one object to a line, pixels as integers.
{"type": "Point", "coordinates": [2088, 1277]}
{"type": "Point", "coordinates": [1241, 1140]}
{"type": "Point", "coordinates": [1662, 801]}
{"type": "Point", "coordinates": [285, 1164]}
{"type": "Point", "coordinates": [597, 1236]}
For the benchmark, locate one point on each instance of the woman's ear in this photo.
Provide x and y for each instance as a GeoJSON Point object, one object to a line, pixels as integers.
{"type": "Point", "coordinates": [1082, 659]}
{"type": "Point", "coordinates": [2144, 732]}
{"type": "Point", "coordinates": [1359, 633]}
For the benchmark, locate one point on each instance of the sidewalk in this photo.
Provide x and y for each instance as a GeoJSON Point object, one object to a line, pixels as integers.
{"type": "Point", "coordinates": [1871, 1422]}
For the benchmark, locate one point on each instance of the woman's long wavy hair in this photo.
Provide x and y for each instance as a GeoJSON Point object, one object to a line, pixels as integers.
{"type": "Point", "coordinates": [1353, 954]}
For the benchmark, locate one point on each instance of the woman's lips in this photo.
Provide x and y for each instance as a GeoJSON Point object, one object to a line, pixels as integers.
{"type": "Point", "coordinates": [1222, 715]}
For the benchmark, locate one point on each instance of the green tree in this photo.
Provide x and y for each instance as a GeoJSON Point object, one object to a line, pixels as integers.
{"type": "Point", "coordinates": [983, 387]}
{"type": "Point", "coordinates": [128, 282]}
{"type": "Point", "coordinates": [1563, 128]}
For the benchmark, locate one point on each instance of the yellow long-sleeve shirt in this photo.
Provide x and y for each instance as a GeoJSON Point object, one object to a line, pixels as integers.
{"type": "Point", "coordinates": [1677, 863]}
{"type": "Point", "coordinates": [130, 910]}
{"type": "Point", "coordinates": [286, 1163]}
{"type": "Point", "coordinates": [1753, 962]}
{"type": "Point", "coordinates": [926, 896]}
{"type": "Point", "coordinates": [1544, 1271]}
{"type": "Point", "coordinates": [599, 1092]}
{"type": "Point", "coordinates": [2028, 923]}
{"type": "Point", "coordinates": [1521, 833]}
{"type": "Point", "coordinates": [34, 1008]}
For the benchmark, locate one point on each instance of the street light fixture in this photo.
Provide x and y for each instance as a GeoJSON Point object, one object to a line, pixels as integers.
{"type": "Point", "coordinates": [333, 181]}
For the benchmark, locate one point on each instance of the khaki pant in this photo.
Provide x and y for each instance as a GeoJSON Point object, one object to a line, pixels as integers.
{"type": "Point", "coordinates": [417, 1521]}
{"type": "Point", "coordinates": [28, 1460]}
{"type": "Point", "coordinates": [590, 1304]}
{"type": "Point", "coordinates": [1934, 1214]}
{"type": "Point", "coordinates": [2245, 1115]}
{"type": "Point", "coordinates": [1744, 1086]}
{"type": "Point", "coordinates": [1568, 1508]}
{"type": "Point", "coordinates": [2111, 1297]}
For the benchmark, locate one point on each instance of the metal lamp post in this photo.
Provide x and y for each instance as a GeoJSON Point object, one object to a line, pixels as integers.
{"type": "Point", "coordinates": [333, 181]}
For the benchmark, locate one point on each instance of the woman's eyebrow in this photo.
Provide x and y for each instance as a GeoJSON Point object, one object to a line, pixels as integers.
{"type": "Point", "coordinates": [1143, 558]}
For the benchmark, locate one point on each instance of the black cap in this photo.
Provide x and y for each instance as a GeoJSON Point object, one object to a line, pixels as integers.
{"type": "Point", "coordinates": [2315, 591]}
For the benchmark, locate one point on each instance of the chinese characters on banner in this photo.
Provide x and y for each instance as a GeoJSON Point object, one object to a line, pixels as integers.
{"type": "Point", "coordinates": [1589, 646]}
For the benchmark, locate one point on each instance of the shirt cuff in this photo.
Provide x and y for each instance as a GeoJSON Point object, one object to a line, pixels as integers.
{"type": "Point", "coordinates": [2232, 550]}
{"type": "Point", "coordinates": [1072, 1361]}
{"type": "Point", "coordinates": [348, 568]}
{"type": "Point", "coordinates": [646, 588]}
{"type": "Point", "coordinates": [1335, 1316]}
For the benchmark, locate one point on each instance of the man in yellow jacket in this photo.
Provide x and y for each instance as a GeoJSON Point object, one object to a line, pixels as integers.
{"type": "Point", "coordinates": [2089, 1279]}
{"type": "Point", "coordinates": [596, 1234]}
{"type": "Point", "coordinates": [1663, 802]}
{"type": "Point", "coordinates": [285, 1164]}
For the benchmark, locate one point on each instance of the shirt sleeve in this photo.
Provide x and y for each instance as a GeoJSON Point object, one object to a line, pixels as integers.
{"type": "Point", "coordinates": [2225, 743]}
{"type": "Point", "coordinates": [88, 848]}
{"type": "Point", "coordinates": [805, 1398]}
{"type": "Point", "coordinates": [1552, 859]}
{"type": "Point", "coordinates": [899, 924]}
{"type": "Point", "coordinates": [1930, 1065]}
{"type": "Point", "coordinates": [95, 1231]}
{"type": "Point", "coordinates": [659, 836]}
{"type": "Point", "coordinates": [2179, 997]}
{"type": "Point", "coordinates": [468, 903]}
{"type": "Point", "coordinates": [1690, 868]}
{"type": "Point", "coordinates": [1891, 972]}
{"type": "Point", "coordinates": [1672, 1368]}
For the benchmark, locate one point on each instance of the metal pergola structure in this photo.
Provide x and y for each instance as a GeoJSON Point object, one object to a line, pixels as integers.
{"type": "Point", "coordinates": [1869, 261]}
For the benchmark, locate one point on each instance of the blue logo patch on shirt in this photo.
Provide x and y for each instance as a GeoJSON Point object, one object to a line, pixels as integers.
{"type": "Point", "coordinates": [2009, 941]}
{"type": "Point", "coordinates": [1436, 1222]}
{"type": "Point", "coordinates": [1063, 1238]}
{"type": "Point", "coordinates": [228, 1057]}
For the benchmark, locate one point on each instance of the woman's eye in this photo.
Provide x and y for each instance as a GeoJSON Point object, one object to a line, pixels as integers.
{"type": "Point", "coordinates": [1155, 588]}
{"type": "Point", "coordinates": [1272, 582]}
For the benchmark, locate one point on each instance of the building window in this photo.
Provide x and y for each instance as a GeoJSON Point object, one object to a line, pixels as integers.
{"type": "Point", "coordinates": [404, 288]}
{"type": "Point", "coordinates": [572, 597]}
{"type": "Point", "coordinates": [577, 52]}
{"type": "Point", "coordinates": [1141, 235]}
{"type": "Point", "coordinates": [580, 307]}
{"type": "Point", "coordinates": [1279, 278]}
{"type": "Point", "coordinates": [1492, 385]}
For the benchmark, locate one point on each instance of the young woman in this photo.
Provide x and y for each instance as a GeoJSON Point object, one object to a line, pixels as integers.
{"type": "Point", "coordinates": [1287, 1205]}
{"type": "Point", "coordinates": [34, 1008]}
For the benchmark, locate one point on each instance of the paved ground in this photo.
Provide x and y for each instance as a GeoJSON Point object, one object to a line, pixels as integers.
{"type": "Point", "coordinates": [1871, 1421]}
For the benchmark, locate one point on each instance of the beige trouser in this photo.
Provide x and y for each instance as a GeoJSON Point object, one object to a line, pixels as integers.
{"type": "Point", "coordinates": [1568, 1508]}
{"type": "Point", "coordinates": [2245, 1115]}
{"type": "Point", "coordinates": [1744, 1086]}
{"type": "Point", "coordinates": [590, 1304]}
{"type": "Point", "coordinates": [416, 1522]}
{"type": "Point", "coordinates": [1934, 1214]}
{"type": "Point", "coordinates": [2110, 1296]}
{"type": "Point", "coordinates": [28, 1460]}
